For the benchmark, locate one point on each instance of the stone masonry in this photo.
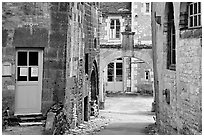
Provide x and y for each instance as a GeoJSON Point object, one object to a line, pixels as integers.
{"type": "Point", "coordinates": [179, 91]}
{"type": "Point", "coordinates": [66, 32]}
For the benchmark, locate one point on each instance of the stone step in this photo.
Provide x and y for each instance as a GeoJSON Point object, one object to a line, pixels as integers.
{"type": "Point", "coordinates": [30, 123]}
{"type": "Point", "coordinates": [31, 118]}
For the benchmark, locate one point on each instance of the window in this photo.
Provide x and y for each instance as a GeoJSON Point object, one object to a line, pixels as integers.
{"type": "Point", "coordinates": [195, 14]}
{"type": "Point", "coordinates": [27, 66]}
{"type": "Point", "coordinates": [111, 72]}
{"type": "Point", "coordinates": [147, 7]}
{"type": "Point", "coordinates": [115, 29]}
{"type": "Point", "coordinates": [119, 72]}
{"type": "Point", "coordinates": [171, 39]}
{"type": "Point", "coordinates": [147, 74]}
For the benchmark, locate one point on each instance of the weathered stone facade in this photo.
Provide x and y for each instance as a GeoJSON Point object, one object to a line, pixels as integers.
{"type": "Point", "coordinates": [19, 20]}
{"type": "Point", "coordinates": [141, 22]}
{"type": "Point", "coordinates": [84, 57]}
{"type": "Point", "coordinates": [65, 33]}
{"type": "Point", "coordinates": [178, 91]}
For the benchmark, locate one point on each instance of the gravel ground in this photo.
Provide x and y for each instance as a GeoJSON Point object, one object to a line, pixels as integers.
{"type": "Point", "coordinates": [23, 130]}
{"type": "Point", "coordinates": [91, 127]}
{"type": "Point", "coordinates": [131, 112]}
{"type": "Point", "coordinates": [116, 111]}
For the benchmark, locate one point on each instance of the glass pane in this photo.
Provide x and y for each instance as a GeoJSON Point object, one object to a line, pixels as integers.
{"type": "Point", "coordinates": [33, 74]}
{"type": "Point", "coordinates": [117, 22]}
{"type": "Point", "coordinates": [33, 58]}
{"type": "Point", "coordinates": [110, 78]}
{"type": "Point", "coordinates": [119, 65]}
{"type": "Point", "coordinates": [195, 8]}
{"type": "Point", "coordinates": [22, 58]}
{"type": "Point", "coordinates": [191, 21]}
{"type": "Point", "coordinates": [119, 72]}
{"type": "Point", "coordinates": [22, 74]}
{"type": "Point", "coordinates": [199, 20]}
{"type": "Point", "coordinates": [173, 58]}
{"type": "Point", "coordinates": [147, 7]}
{"type": "Point", "coordinates": [117, 28]}
{"type": "Point", "coordinates": [112, 24]}
{"type": "Point", "coordinates": [111, 65]}
{"type": "Point", "coordinates": [110, 72]}
{"type": "Point", "coordinates": [117, 35]}
{"type": "Point", "coordinates": [191, 9]}
{"type": "Point", "coordinates": [195, 21]}
{"type": "Point", "coordinates": [199, 7]}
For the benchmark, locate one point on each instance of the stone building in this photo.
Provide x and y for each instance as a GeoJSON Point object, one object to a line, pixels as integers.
{"type": "Point", "coordinates": [177, 56]}
{"type": "Point", "coordinates": [141, 22]}
{"type": "Point", "coordinates": [50, 54]}
{"type": "Point", "coordinates": [117, 46]}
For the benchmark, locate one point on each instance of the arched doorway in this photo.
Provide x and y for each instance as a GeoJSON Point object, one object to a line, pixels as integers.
{"type": "Point", "coordinates": [94, 102]}
{"type": "Point", "coordinates": [128, 75]}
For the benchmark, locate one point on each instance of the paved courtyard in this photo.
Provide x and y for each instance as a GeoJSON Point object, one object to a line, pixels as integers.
{"type": "Point", "coordinates": [128, 115]}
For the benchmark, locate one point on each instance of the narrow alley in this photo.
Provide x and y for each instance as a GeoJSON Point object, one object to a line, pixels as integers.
{"type": "Point", "coordinates": [101, 68]}
{"type": "Point", "coordinates": [128, 115]}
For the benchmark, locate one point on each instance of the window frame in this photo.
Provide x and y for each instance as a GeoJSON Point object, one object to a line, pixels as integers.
{"type": "Point", "coordinates": [147, 74]}
{"type": "Point", "coordinates": [113, 32]}
{"type": "Point", "coordinates": [147, 6]}
{"type": "Point", "coordinates": [194, 15]}
{"type": "Point", "coordinates": [119, 69]}
{"type": "Point", "coordinates": [171, 39]}
{"type": "Point", "coordinates": [112, 69]}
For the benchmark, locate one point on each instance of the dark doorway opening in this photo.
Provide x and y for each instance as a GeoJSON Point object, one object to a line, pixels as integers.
{"type": "Point", "coordinates": [86, 109]}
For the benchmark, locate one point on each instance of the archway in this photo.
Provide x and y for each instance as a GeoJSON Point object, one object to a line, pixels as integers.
{"type": "Point", "coordinates": [94, 101]}
{"type": "Point", "coordinates": [128, 75]}
{"type": "Point", "coordinates": [107, 55]}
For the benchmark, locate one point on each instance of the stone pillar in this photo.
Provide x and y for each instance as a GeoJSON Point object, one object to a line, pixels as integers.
{"type": "Point", "coordinates": [127, 49]}
{"type": "Point", "coordinates": [101, 89]}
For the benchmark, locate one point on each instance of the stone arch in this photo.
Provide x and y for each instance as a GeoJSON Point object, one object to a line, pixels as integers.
{"type": "Point", "coordinates": [110, 55]}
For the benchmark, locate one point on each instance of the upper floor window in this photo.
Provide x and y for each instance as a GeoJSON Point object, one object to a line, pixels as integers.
{"type": "Point", "coordinates": [115, 29]}
{"type": "Point", "coordinates": [171, 37]}
{"type": "Point", "coordinates": [147, 75]}
{"type": "Point", "coordinates": [194, 14]}
{"type": "Point", "coordinates": [147, 7]}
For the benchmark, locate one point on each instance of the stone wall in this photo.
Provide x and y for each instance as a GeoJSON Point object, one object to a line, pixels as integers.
{"type": "Point", "coordinates": [141, 23]}
{"type": "Point", "coordinates": [18, 18]}
{"type": "Point", "coordinates": [65, 32]}
{"type": "Point", "coordinates": [83, 30]}
{"type": "Point", "coordinates": [178, 98]}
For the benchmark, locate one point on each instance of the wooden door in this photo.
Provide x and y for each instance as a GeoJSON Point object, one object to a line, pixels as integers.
{"type": "Point", "coordinates": [29, 67]}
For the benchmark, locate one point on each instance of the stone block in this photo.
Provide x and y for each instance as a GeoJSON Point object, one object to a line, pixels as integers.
{"type": "Point", "coordinates": [50, 123]}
